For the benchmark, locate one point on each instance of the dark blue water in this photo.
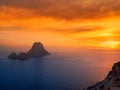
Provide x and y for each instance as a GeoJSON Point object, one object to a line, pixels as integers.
{"type": "Point", "coordinates": [55, 71]}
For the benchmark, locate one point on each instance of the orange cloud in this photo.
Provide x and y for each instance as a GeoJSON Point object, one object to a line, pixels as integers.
{"type": "Point", "coordinates": [86, 22]}
{"type": "Point", "coordinates": [62, 9]}
{"type": "Point", "coordinates": [11, 28]}
{"type": "Point", "coordinates": [75, 30]}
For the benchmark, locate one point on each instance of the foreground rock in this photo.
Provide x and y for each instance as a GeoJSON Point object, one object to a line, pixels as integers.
{"type": "Point", "coordinates": [111, 82]}
{"type": "Point", "coordinates": [37, 50]}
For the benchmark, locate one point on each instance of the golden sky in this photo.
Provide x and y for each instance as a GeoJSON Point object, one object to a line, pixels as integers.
{"type": "Point", "coordinates": [91, 23]}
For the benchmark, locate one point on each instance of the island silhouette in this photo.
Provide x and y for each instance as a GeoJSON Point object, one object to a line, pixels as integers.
{"type": "Point", "coordinates": [37, 50]}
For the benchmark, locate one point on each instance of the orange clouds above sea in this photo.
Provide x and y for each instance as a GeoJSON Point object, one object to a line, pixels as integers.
{"type": "Point", "coordinates": [90, 23]}
{"type": "Point", "coordinates": [61, 9]}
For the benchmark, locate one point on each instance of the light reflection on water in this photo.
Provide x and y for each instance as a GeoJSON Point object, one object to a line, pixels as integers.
{"type": "Point", "coordinates": [60, 70]}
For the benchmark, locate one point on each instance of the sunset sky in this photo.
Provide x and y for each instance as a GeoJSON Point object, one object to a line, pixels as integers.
{"type": "Point", "coordinates": [89, 23]}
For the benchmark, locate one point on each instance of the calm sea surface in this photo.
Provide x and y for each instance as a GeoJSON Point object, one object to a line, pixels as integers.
{"type": "Point", "coordinates": [59, 71]}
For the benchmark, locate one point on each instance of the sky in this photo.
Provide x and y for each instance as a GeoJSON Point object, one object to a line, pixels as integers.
{"type": "Point", "coordinates": [73, 23]}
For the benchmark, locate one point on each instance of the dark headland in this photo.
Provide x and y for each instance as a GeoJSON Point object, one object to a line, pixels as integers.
{"type": "Point", "coordinates": [111, 82]}
{"type": "Point", "coordinates": [37, 50]}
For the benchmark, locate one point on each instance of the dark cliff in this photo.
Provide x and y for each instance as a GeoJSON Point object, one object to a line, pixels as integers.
{"type": "Point", "coordinates": [111, 82]}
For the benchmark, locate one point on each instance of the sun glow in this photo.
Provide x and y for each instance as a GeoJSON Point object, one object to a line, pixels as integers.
{"type": "Point", "coordinates": [110, 44]}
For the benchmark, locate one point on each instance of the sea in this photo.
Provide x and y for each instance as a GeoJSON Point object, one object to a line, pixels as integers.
{"type": "Point", "coordinates": [62, 70]}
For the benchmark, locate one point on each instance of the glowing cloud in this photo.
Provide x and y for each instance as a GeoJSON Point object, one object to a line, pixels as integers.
{"type": "Point", "coordinates": [83, 22]}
